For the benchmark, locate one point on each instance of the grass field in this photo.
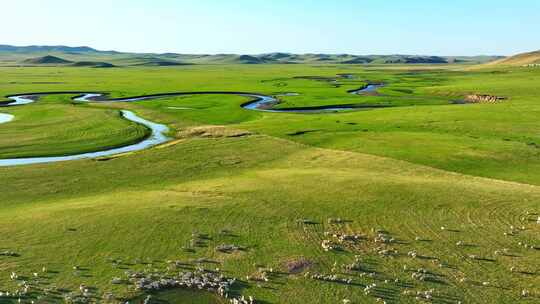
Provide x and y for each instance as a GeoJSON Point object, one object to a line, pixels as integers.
{"type": "Point", "coordinates": [450, 191]}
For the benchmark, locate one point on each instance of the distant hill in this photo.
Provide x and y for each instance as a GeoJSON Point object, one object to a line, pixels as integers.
{"type": "Point", "coordinates": [248, 59]}
{"type": "Point", "coordinates": [473, 59]}
{"type": "Point", "coordinates": [519, 60]}
{"type": "Point", "coordinates": [276, 56]}
{"type": "Point", "coordinates": [397, 59]}
{"type": "Point", "coordinates": [93, 64]}
{"type": "Point", "coordinates": [154, 61]}
{"type": "Point", "coordinates": [49, 49]}
{"type": "Point", "coordinates": [280, 58]}
{"type": "Point", "coordinates": [53, 60]}
{"type": "Point", "coordinates": [87, 56]}
{"type": "Point", "coordinates": [357, 60]}
{"type": "Point", "coordinates": [46, 60]}
{"type": "Point", "coordinates": [225, 59]}
{"type": "Point", "coordinates": [159, 63]}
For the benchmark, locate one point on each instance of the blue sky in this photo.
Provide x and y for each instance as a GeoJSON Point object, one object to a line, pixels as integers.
{"type": "Point", "coordinates": [434, 27]}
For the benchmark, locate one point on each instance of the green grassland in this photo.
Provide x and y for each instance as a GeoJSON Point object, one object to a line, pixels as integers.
{"type": "Point", "coordinates": [420, 165]}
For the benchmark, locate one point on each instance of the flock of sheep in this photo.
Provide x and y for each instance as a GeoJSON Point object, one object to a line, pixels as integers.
{"type": "Point", "coordinates": [379, 242]}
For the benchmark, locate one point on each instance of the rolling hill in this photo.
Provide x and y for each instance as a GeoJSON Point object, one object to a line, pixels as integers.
{"type": "Point", "coordinates": [53, 60]}
{"type": "Point", "coordinates": [14, 55]}
{"type": "Point", "coordinates": [520, 59]}
{"type": "Point", "coordinates": [47, 48]}
{"type": "Point", "coordinates": [93, 64]}
{"type": "Point", "coordinates": [46, 60]}
{"type": "Point", "coordinates": [157, 62]}
{"type": "Point", "coordinates": [397, 59]}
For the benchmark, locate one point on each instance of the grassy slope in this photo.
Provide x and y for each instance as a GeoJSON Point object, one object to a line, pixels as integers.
{"type": "Point", "coordinates": [207, 186]}
{"type": "Point", "coordinates": [518, 60]}
{"type": "Point", "coordinates": [473, 139]}
{"type": "Point", "coordinates": [259, 186]}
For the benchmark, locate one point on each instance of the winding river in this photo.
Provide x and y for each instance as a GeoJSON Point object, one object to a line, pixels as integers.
{"type": "Point", "coordinates": [158, 136]}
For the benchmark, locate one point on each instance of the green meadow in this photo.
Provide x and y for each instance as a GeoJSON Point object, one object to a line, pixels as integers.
{"type": "Point", "coordinates": [430, 199]}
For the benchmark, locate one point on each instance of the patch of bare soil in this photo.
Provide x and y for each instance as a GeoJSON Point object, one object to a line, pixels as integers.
{"type": "Point", "coordinates": [297, 266]}
{"type": "Point", "coordinates": [212, 132]}
{"type": "Point", "coordinates": [481, 98]}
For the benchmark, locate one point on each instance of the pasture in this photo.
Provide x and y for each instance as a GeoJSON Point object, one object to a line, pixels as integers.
{"type": "Point", "coordinates": [418, 198]}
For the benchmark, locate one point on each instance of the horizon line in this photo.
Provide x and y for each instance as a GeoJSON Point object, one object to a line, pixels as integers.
{"type": "Point", "coordinates": [262, 53]}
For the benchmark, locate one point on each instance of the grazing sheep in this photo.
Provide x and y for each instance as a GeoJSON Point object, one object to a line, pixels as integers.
{"type": "Point", "coordinates": [200, 279]}
{"type": "Point", "coordinates": [369, 288]}
{"type": "Point", "coordinates": [335, 221]}
{"type": "Point", "coordinates": [147, 299]}
{"type": "Point", "coordinates": [352, 238]}
{"type": "Point", "coordinates": [328, 245]}
{"type": "Point", "coordinates": [413, 254]}
{"type": "Point", "coordinates": [383, 238]}
{"type": "Point", "coordinates": [108, 296]}
{"type": "Point", "coordinates": [329, 278]}
{"type": "Point", "coordinates": [229, 248]}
